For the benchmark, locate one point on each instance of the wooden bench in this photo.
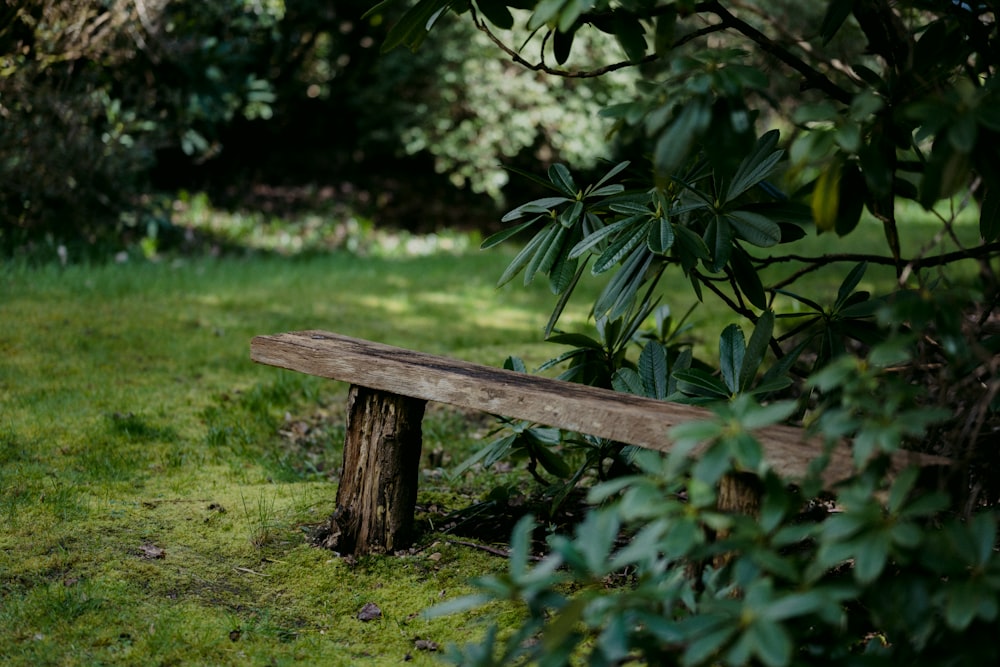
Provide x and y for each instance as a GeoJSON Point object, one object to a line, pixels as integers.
{"type": "Point", "coordinates": [390, 387]}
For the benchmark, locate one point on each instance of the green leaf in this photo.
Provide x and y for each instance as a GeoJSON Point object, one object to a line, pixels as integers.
{"type": "Point", "coordinates": [569, 216]}
{"type": "Point", "coordinates": [852, 280]}
{"type": "Point", "coordinates": [564, 624]}
{"type": "Point", "coordinates": [766, 415]}
{"type": "Point", "coordinates": [500, 237]}
{"type": "Point", "coordinates": [823, 110]}
{"type": "Point", "coordinates": [542, 205]}
{"type": "Point", "coordinates": [457, 605]}
{"type": "Point", "coordinates": [712, 464]}
{"type": "Point", "coordinates": [864, 104]}
{"type": "Point", "coordinates": [946, 173]}
{"type": "Point", "coordinates": [607, 190]}
{"type": "Point", "coordinates": [562, 44]}
{"type": "Point", "coordinates": [618, 248]}
{"type": "Point", "coordinates": [771, 643]}
{"type": "Point", "coordinates": [614, 171]}
{"type": "Point", "coordinates": [550, 460]}
{"type": "Point", "coordinates": [698, 382]}
{"type": "Point", "coordinates": [630, 34]}
{"type": "Point", "coordinates": [571, 11]}
{"type": "Point", "coordinates": [745, 76]}
{"type": "Point", "coordinates": [563, 274]}
{"type": "Point", "coordinates": [631, 207]}
{"type": "Point", "coordinates": [545, 12]}
{"type": "Point", "coordinates": [826, 197]}
{"type": "Point", "coordinates": [983, 529]}
{"type": "Point", "coordinates": [600, 235]}
{"type": "Point", "coordinates": [675, 143]}
{"type": "Point", "coordinates": [755, 167]}
{"type": "Point", "coordinates": [618, 294]}
{"type": "Point", "coordinates": [562, 179]}
{"type": "Point", "coordinates": [563, 300]}
{"type": "Point", "coordinates": [548, 250]}
{"type": "Point", "coordinates": [872, 555]}
{"type": "Point", "coordinates": [523, 257]}
{"type": "Point", "coordinates": [412, 27]}
{"type": "Point", "coordinates": [576, 340]}
{"type": "Point", "coordinates": [962, 133]}
{"type": "Point", "coordinates": [497, 13]}
{"type": "Point", "coordinates": [689, 247]}
{"type": "Point", "coordinates": [520, 546]}
{"type": "Point", "coordinates": [654, 370]}
{"type": "Point", "coordinates": [719, 237]}
{"type": "Point", "coordinates": [732, 349]}
{"type": "Point", "coordinates": [747, 278]}
{"type": "Point", "coordinates": [661, 236]}
{"type": "Point", "coordinates": [495, 451]}
{"type": "Point", "coordinates": [377, 8]}
{"type": "Point", "coordinates": [851, 199]}
{"type": "Point", "coordinates": [901, 488]}
{"type": "Point", "coordinates": [698, 651]}
{"type": "Point", "coordinates": [666, 28]}
{"type": "Point", "coordinates": [963, 604]}
{"type": "Point", "coordinates": [627, 381]}
{"type": "Point", "coordinates": [755, 228]}
{"type": "Point", "coordinates": [756, 349]}
{"type": "Point", "coordinates": [515, 364]}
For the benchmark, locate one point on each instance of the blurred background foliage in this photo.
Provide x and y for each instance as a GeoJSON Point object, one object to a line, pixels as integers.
{"type": "Point", "coordinates": [108, 108]}
{"type": "Point", "coordinates": [265, 104]}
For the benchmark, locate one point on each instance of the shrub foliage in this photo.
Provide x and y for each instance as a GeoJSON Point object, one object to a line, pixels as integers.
{"type": "Point", "coordinates": [754, 126]}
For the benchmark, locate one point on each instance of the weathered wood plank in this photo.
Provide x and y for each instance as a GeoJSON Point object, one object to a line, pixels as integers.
{"type": "Point", "coordinates": [600, 412]}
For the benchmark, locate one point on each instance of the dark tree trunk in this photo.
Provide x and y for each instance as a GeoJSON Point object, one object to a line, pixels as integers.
{"type": "Point", "coordinates": [378, 486]}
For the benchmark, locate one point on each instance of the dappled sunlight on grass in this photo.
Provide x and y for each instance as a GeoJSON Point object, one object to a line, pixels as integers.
{"type": "Point", "coordinates": [143, 466]}
{"type": "Point", "coordinates": [133, 421]}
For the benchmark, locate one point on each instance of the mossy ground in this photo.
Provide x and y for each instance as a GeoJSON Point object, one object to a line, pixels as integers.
{"type": "Point", "coordinates": [157, 489]}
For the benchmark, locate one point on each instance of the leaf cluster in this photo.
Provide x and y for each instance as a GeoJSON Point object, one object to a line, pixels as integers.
{"type": "Point", "coordinates": [880, 578]}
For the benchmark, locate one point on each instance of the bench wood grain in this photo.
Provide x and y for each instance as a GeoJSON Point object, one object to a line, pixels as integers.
{"type": "Point", "coordinates": [411, 378]}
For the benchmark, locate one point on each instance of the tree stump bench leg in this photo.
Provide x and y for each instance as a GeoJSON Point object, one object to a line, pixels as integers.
{"type": "Point", "coordinates": [378, 485]}
{"type": "Point", "coordinates": [739, 493]}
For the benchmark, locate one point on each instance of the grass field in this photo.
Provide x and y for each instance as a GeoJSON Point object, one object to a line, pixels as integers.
{"type": "Point", "coordinates": [133, 422]}
{"type": "Point", "coordinates": [157, 488]}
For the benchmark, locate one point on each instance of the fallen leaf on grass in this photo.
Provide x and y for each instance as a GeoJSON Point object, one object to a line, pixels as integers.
{"type": "Point", "coordinates": [369, 612]}
{"type": "Point", "coordinates": [151, 551]}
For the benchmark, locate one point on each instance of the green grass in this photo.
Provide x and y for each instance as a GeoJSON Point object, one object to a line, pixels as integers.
{"type": "Point", "coordinates": [134, 421]}
{"type": "Point", "coordinates": [157, 488]}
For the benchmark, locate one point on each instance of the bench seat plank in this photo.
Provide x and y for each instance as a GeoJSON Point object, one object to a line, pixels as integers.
{"type": "Point", "coordinates": [600, 412]}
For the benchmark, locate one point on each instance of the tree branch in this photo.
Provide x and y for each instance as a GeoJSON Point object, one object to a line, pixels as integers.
{"type": "Point", "coordinates": [813, 77]}
{"type": "Point", "coordinates": [814, 263]}
{"type": "Point", "coordinates": [584, 74]}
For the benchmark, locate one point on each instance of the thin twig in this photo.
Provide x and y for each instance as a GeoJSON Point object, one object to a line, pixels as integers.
{"type": "Point", "coordinates": [733, 306]}
{"type": "Point", "coordinates": [503, 553]}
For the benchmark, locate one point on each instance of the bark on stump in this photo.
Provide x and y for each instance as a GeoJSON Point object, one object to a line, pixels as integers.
{"type": "Point", "coordinates": [739, 493]}
{"type": "Point", "coordinates": [378, 485]}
